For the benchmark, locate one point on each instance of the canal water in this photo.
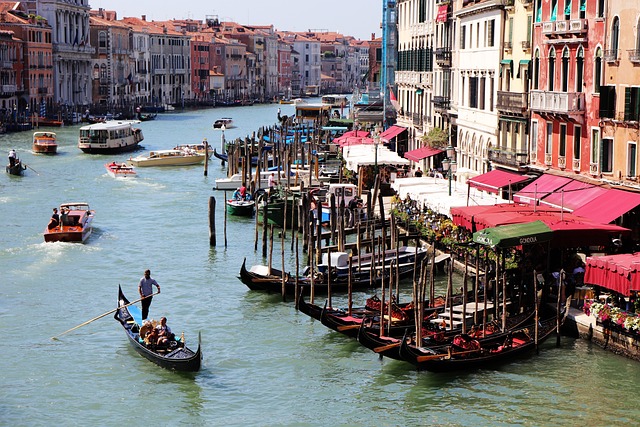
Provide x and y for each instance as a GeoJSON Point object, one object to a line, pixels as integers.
{"type": "Point", "coordinates": [264, 363]}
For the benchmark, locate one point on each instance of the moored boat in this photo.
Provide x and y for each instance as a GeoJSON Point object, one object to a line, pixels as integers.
{"type": "Point", "coordinates": [223, 123]}
{"type": "Point", "coordinates": [167, 158]}
{"type": "Point", "coordinates": [174, 356]}
{"type": "Point", "coordinates": [202, 148]}
{"type": "Point", "coordinates": [75, 224]}
{"type": "Point", "coordinates": [240, 207]}
{"type": "Point", "coordinates": [46, 121]}
{"type": "Point", "coordinates": [120, 170]}
{"type": "Point", "coordinates": [44, 143]}
{"type": "Point", "coordinates": [113, 136]}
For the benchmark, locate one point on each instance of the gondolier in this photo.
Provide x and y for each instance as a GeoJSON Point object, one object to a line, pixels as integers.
{"type": "Point", "coordinates": [145, 288]}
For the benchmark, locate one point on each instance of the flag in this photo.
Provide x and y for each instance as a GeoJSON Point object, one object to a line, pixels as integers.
{"type": "Point", "coordinates": [130, 78]}
{"type": "Point", "coordinates": [394, 101]}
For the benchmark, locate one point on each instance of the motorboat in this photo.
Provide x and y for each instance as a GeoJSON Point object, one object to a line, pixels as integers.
{"type": "Point", "coordinates": [75, 224]}
{"type": "Point", "coordinates": [223, 123]}
{"type": "Point", "coordinates": [203, 148]}
{"type": "Point", "coordinates": [44, 143]}
{"type": "Point", "coordinates": [113, 136]}
{"type": "Point", "coordinates": [120, 170]}
{"type": "Point", "coordinates": [235, 180]}
{"type": "Point", "coordinates": [167, 158]}
{"type": "Point", "coordinates": [240, 207]}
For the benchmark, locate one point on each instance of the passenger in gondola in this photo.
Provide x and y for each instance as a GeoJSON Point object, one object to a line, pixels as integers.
{"type": "Point", "coordinates": [55, 220]}
{"type": "Point", "coordinates": [164, 333]}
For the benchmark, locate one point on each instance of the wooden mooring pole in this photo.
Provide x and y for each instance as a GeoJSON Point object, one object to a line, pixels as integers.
{"type": "Point", "coordinates": [212, 221]}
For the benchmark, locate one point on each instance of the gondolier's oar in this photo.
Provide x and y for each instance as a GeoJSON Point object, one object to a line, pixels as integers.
{"type": "Point", "coordinates": [103, 314]}
{"type": "Point", "coordinates": [37, 173]}
{"type": "Point", "coordinates": [386, 347]}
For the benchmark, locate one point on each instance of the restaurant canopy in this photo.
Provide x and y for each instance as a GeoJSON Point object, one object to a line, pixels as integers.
{"type": "Point", "coordinates": [508, 236]}
{"type": "Point", "coordinates": [363, 155]}
{"type": "Point", "coordinates": [351, 134]}
{"type": "Point", "coordinates": [421, 153]}
{"type": "Point", "coordinates": [391, 133]}
{"type": "Point", "coordinates": [619, 273]}
{"type": "Point", "coordinates": [609, 206]}
{"type": "Point", "coordinates": [496, 179]}
{"type": "Point", "coordinates": [541, 187]}
{"type": "Point", "coordinates": [573, 195]}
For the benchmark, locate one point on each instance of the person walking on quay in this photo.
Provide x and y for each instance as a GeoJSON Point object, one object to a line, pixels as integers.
{"type": "Point", "coordinates": [145, 288]}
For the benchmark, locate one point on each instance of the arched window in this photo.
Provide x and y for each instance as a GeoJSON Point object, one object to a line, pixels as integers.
{"type": "Point", "coordinates": [615, 36]}
{"type": "Point", "coordinates": [96, 72]}
{"type": "Point", "coordinates": [103, 73]}
{"type": "Point", "coordinates": [565, 69]}
{"type": "Point", "coordinates": [579, 69]}
{"type": "Point", "coordinates": [552, 68]}
{"type": "Point", "coordinates": [102, 40]}
{"type": "Point", "coordinates": [536, 69]}
{"type": "Point", "coordinates": [597, 71]}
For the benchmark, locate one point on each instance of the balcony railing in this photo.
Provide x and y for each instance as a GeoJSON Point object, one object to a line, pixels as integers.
{"type": "Point", "coordinates": [562, 162]}
{"type": "Point", "coordinates": [634, 56]}
{"type": "Point", "coordinates": [548, 159]}
{"type": "Point", "coordinates": [611, 55]}
{"type": "Point", "coordinates": [513, 102]}
{"type": "Point", "coordinates": [557, 102]}
{"type": "Point", "coordinates": [526, 44]}
{"type": "Point", "coordinates": [443, 56]}
{"type": "Point", "coordinates": [578, 26]}
{"type": "Point", "coordinates": [441, 102]}
{"type": "Point", "coordinates": [508, 45]}
{"type": "Point", "coordinates": [6, 64]}
{"type": "Point", "coordinates": [43, 90]}
{"type": "Point", "coordinates": [548, 28]}
{"type": "Point", "coordinates": [593, 168]}
{"type": "Point", "coordinates": [509, 157]}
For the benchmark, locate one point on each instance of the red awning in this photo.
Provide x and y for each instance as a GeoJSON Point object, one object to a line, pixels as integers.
{"type": "Point", "coordinates": [344, 142]}
{"type": "Point", "coordinates": [573, 195]}
{"type": "Point", "coordinates": [421, 153]}
{"type": "Point", "coordinates": [609, 206]}
{"type": "Point", "coordinates": [442, 13]}
{"type": "Point", "coordinates": [496, 179]}
{"type": "Point", "coordinates": [391, 133]}
{"type": "Point", "coordinates": [540, 188]}
{"type": "Point", "coordinates": [350, 134]}
{"type": "Point", "coordinates": [620, 273]}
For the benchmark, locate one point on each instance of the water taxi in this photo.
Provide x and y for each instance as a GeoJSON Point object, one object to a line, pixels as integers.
{"type": "Point", "coordinates": [113, 136]}
{"type": "Point", "coordinates": [120, 170]}
{"type": "Point", "coordinates": [44, 143]}
{"type": "Point", "coordinates": [74, 224]}
{"type": "Point", "coordinates": [167, 158]}
{"type": "Point", "coordinates": [202, 148]}
{"type": "Point", "coordinates": [223, 123]}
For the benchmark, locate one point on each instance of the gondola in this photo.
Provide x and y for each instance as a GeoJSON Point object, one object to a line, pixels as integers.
{"type": "Point", "coordinates": [225, 158]}
{"type": "Point", "coordinates": [258, 278]}
{"type": "Point", "coordinates": [465, 353]}
{"type": "Point", "coordinates": [177, 356]}
{"type": "Point", "coordinates": [16, 169]}
{"type": "Point", "coordinates": [388, 345]}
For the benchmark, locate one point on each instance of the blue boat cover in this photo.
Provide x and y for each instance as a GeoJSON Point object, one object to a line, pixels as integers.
{"type": "Point", "coordinates": [136, 313]}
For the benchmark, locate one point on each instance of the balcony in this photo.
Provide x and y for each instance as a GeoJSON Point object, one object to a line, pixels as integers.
{"type": "Point", "coordinates": [526, 44]}
{"type": "Point", "coordinates": [548, 159]}
{"type": "Point", "coordinates": [512, 102]}
{"type": "Point", "coordinates": [443, 56]}
{"type": "Point", "coordinates": [594, 169]}
{"type": "Point", "coordinates": [562, 162]}
{"type": "Point", "coordinates": [576, 165]}
{"type": "Point", "coordinates": [508, 157]}
{"type": "Point", "coordinates": [578, 26]}
{"type": "Point", "coordinates": [508, 45]}
{"type": "Point", "coordinates": [611, 55]}
{"type": "Point", "coordinates": [6, 64]}
{"type": "Point", "coordinates": [43, 90]}
{"type": "Point", "coordinates": [557, 102]}
{"type": "Point", "coordinates": [441, 102]}
{"type": "Point", "coordinates": [634, 56]}
{"type": "Point", "coordinates": [548, 28]}
{"type": "Point", "coordinates": [7, 91]}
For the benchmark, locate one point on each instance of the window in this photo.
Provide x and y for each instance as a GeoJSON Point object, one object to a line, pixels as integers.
{"type": "Point", "coordinates": [595, 145]}
{"type": "Point", "coordinates": [577, 142]}
{"type": "Point", "coordinates": [552, 68]}
{"type": "Point", "coordinates": [549, 145]}
{"type": "Point", "coordinates": [632, 158]}
{"type": "Point", "coordinates": [579, 69]}
{"type": "Point", "coordinates": [491, 32]}
{"type": "Point", "coordinates": [462, 36]}
{"type": "Point", "coordinates": [534, 136]}
{"type": "Point", "coordinates": [536, 69]}
{"type": "Point", "coordinates": [554, 10]}
{"type": "Point", "coordinates": [601, 8]}
{"type": "Point", "coordinates": [583, 9]}
{"type": "Point", "coordinates": [632, 103]}
{"type": "Point", "coordinates": [607, 155]}
{"type": "Point", "coordinates": [562, 147]}
{"type": "Point", "coordinates": [567, 10]}
{"type": "Point", "coordinates": [597, 74]}
{"type": "Point", "coordinates": [481, 93]}
{"type": "Point", "coordinates": [473, 92]}
{"type": "Point", "coordinates": [565, 69]}
{"type": "Point", "coordinates": [538, 10]}
{"type": "Point", "coordinates": [615, 35]}
{"type": "Point", "coordinates": [607, 102]}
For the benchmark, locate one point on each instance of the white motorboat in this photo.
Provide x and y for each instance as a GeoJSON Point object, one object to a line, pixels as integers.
{"type": "Point", "coordinates": [167, 158]}
{"type": "Point", "coordinates": [223, 123]}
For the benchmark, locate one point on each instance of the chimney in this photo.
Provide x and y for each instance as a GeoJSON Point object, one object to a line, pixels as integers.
{"type": "Point", "coordinates": [144, 17]}
{"type": "Point", "coordinates": [373, 36]}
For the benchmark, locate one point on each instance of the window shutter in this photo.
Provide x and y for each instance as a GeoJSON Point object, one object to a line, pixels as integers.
{"type": "Point", "coordinates": [627, 104]}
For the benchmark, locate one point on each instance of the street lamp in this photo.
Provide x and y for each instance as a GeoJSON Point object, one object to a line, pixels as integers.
{"type": "Point", "coordinates": [449, 164]}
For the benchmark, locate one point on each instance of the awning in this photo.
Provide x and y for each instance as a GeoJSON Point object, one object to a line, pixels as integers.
{"type": "Point", "coordinates": [442, 13]}
{"type": "Point", "coordinates": [573, 195]}
{"type": "Point", "coordinates": [540, 188]}
{"type": "Point", "coordinates": [620, 273]}
{"type": "Point", "coordinates": [508, 236]}
{"type": "Point", "coordinates": [609, 206]}
{"type": "Point", "coordinates": [419, 91]}
{"type": "Point", "coordinates": [508, 62]}
{"type": "Point", "coordinates": [391, 133]}
{"type": "Point", "coordinates": [421, 153]}
{"type": "Point", "coordinates": [496, 179]}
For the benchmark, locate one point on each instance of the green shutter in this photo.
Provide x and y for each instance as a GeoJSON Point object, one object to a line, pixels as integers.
{"type": "Point", "coordinates": [554, 12]}
{"type": "Point", "coordinates": [627, 104]}
{"type": "Point", "coordinates": [635, 95]}
{"type": "Point", "coordinates": [583, 5]}
{"type": "Point", "coordinates": [567, 8]}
